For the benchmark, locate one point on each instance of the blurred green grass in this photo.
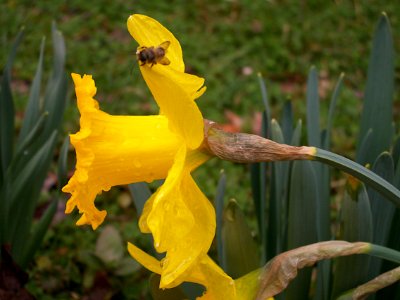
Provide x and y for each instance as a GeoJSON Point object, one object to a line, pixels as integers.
{"type": "Point", "coordinates": [227, 43]}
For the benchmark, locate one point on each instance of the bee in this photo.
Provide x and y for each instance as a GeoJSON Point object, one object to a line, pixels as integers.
{"type": "Point", "coordinates": [153, 55]}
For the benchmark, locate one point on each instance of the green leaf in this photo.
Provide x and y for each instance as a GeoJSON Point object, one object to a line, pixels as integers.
{"type": "Point", "coordinates": [332, 106]}
{"type": "Point", "coordinates": [323, 183]}
{"type": "Point", "coordinates": [35, 240]}
{"type": "Point", "coordinates": [109, 246]}
{"type": "Point", "coordinates": [296, 136]}
{"type": "Point", "coordinates": [287, 121]}
{"type": "Point", "coordinates": [24, 194]}
{"type": "Point", "coordinates": [278, 199]}
{"type": "Point", "coordinates": [240, 249]}
{"type": "Point", "coordinates": [259, 189]}
{"type": "Point", "coordinates": [7, 112]}
{"type": "Point", "coordinates": [356, 225]}
{"type": "Point", "coordinates": [303, 204]}
{"type": "Point", "coordinates": [363, 150]}
{"type": "Point", "coordinates": [264, 96]}
{"type": "Point", "coordinates": [360, 172]}
{"type": "Point", "coordinates": [56, 90]}
{"type": "Point", "coordinates": [140, 193]}
{"type": "Point", "coordinates": [313, 126]}
{"type": "Point", "coordinates": [393, 292]}
{"type": "Point", "coordinates": [384, 253]}
{"type": "Point", "coordinates": [382, 211]}
{"type": "Point", "coordinates": [219, 209]}
{"type": "Point", "coordinates": [28, 140]}
{"type": "Point", "coordinates": [378, 102]}
{"type": "Point", "coordinates": [33, 111]}
{"type": "Point", "coordinates": [396, 152]}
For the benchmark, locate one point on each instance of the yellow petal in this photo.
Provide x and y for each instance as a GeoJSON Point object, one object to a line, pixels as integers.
{"type": "Point", "coordinates": [169, 209]}
{"type": "Point", "coordinates": [149, 32]}
{"type": "Point", "coordinates": [194, 159]}
{"type": "Point", "coordinates": [144, 259]}
{"type": "Point", "coordinates": [179, 204]}
{"type": "Point", "coordinates": [219, 285]}
{"type": "Point", "coordinates": [174, 93]}
{"type": "Point", "coordinates": [115, 150]}
{"type": "Point", "coordinates": [183, 253]}
{"type": "Point", "coordinates": [173, 90]}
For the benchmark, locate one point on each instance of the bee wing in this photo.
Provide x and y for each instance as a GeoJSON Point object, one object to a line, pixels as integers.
{"type": "Point", "coordinates": [164, 61]}
{"type": "Point", "coordinates": [165, 45]}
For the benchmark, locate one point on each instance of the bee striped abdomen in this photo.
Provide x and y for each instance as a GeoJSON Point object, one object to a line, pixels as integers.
{"type": "Point", "coordinates": [152, 56]}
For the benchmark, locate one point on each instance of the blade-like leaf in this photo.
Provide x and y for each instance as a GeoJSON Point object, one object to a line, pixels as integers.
{"type": "Point", "coordinates": [361, 173]}
{"type": "Point", "coordinates": [278, 200]}
{"type": "Point", "coordinates": [382, 211]}
{"type": "Point", "coordinates": [7, 112]}
{"type": "Point", "coordinates": [303, 203]}
{"type": "Point", "coordinates": [313, 126]}
{"type": "Point", "coordinates": [259, 189]}
{"type": "Point", "coordinates": [363, 149]}
{"type": "Point", "coordinates": [332, 106]}
{"type": "Point", "coordinates": [240, 249]}
{"type": "Point", "coordinates": [140, 193]}
{"type": "Point", "coordinates": [25, 192]}
{"type": "Point", "coordinates": [378, 102]}
{"type": "Point", "coordinates": [396, 152]}
{"type": "Point", "coordinates": [296, 137]}
{"type": "Point", "coordinates": [55, 95]}
{"type": "Point", "coordinates": [38, 233]}
{"type": "Point", "coordinates": [32, 111]}
{"type": "Point", "coordinates": [264, 96]}
{"type": "Point", "coordinates": [356, 225]}
{"type": "Point", "coordinates": [40, 229]}
{"type": "Point", "coordinates": [29, 139]}
{"type": "Point", "coordinates": [287, 121]}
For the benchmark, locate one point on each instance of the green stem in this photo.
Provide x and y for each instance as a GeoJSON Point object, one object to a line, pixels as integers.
{"type": "Point", "coordinates": [385, 253]}
{"type": "Point", "coordinates": [360, 172]}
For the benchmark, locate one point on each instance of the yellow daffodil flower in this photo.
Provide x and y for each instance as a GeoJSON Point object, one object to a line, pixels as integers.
{"type": "Point", "coordinates": [207, 273]}
{"type": "Point", "coordinates": [115, 150]}
{"type": "Point", "coordinates": [203, 271]}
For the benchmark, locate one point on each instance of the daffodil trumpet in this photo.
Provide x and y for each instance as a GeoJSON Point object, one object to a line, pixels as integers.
{"type": "Point", "coordinates": [116, 150]}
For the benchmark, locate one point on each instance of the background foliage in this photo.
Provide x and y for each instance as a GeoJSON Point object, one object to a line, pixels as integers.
{"type": "Point", "coordinates": [227, 42]}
